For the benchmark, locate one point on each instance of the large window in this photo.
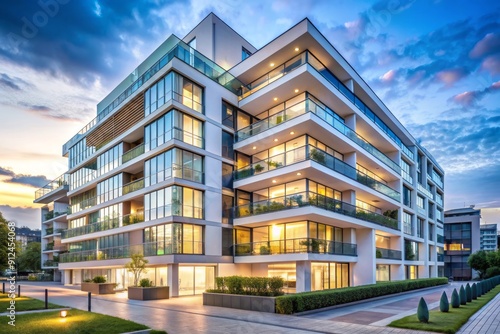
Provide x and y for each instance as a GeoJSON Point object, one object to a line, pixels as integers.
{"type": "Point", "coordinates": [420, 202]}
{"type": "Point", "coordinates": [83, 175]}
{"type": "Point", "coordinates": [235, 118]}
{"type": "Point", "coordinates": [173, 125]}
{"type": "Point", "coordinates": [173, 87]}
{"type": "Point", "coordinates": [110, 159]}
{"type": "Point", "coordinates": [174, 238]}
{"type": "Point", "coordinates": [383, 273]}
{"type": "Point", "coordinates": [110, 188]}
{"type": "Point", "coordinates": [407, 196]}
{"type": "Point", "coordinates": [411, 250]}
{"type": "Point", "coordinates": [227, 145]}
{"type": "Point", "coordinates": [173, 201]}
{"type": "Point", "coordinates": [79, 152]}
{"type": "Point", "coordinates": [329, 275]}
{"type": "Point", "coordinates": [407, 223]}
{"type": "Point", "coordinates": [173, 163]}
{"type": "Point", "coordinates": [227, 175]}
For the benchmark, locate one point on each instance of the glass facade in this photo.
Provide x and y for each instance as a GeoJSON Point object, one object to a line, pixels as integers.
{"type": "Point", "coordinates": [383, 273]}
{"type": "Point", "coordinates": [175, 87]}
{"type": "Point", "coordinates": [457, 248]}
{"type": "Point", "coordinates": [329, 275]}
{"type": "Point", "coordinates": [110, 188]}
{"type": "Point", "coordinates": [173, 201]}
{"type": "Point", "coordinates": [407, 223]}
{"type": "Point", "coordinates": [411, 250]}
{"type": "Point", "coordinates": [173, 163]}
{"type": "Point", "coordinates": [173, 125]}
{"type": "Point", "coordinates": [174, 238]}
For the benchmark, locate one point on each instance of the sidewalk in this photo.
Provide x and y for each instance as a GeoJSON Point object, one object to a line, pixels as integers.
{"type": "Point", "coordinates": [188, 315]}
{"type": "Point", "coordinates": [484, 321]}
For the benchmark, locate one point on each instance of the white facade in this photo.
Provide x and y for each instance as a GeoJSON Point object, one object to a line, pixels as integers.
{"type": "Point", "coordinates": [304, 174]}
{"type": "Point", "coordinates": [489, 237]}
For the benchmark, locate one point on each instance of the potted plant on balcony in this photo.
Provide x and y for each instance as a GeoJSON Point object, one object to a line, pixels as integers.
{"type": "Point", "coordinates": [98, 286]}
{"type": "Point", "coordinates": [258, 168]}
{"type": "Point", "coordinates": [318, 156]}
{"type": "Point", "coordinates": [313, 245]}
{"type": "Point", "coordinates": [143, 289]}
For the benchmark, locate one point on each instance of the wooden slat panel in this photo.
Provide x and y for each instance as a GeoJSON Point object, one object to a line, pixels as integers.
{"type": "Point", "coordinates": [118, 123]}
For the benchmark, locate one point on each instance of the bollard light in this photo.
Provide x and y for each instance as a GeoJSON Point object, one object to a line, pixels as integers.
{"type": "Point", "coordinates": [63, 314]}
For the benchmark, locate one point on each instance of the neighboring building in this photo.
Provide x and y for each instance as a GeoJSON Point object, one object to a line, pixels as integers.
{"type": "Point", "coordinates": [25, 235]}
{"type": "Point", "coordinates": [461, 238]}
{"type": "Point", "coordinates": [488, 239]}
{"type": "Point", "coordinates": [287, 164]}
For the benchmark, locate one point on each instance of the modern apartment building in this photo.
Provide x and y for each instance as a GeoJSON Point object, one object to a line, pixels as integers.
{"type": "Point", "coordinates": [461, 238]}
{"type": "Point", "coordinates": [488, 237]}
{"type": "Point", "coordinates": [215, 158]}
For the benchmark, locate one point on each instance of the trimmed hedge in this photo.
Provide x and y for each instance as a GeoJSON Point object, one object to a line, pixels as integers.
{"type": "Point", "coordinates": [306, 301]}
{"type": "Point", "coordinates": [254, 286]}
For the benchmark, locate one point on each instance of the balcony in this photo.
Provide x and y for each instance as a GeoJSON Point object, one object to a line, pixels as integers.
{"type": "Point", "coordinates": [133, 153]}
{"type": "Point", "coordinates": [425, 191]}
{"type": "Point", "coordinates": [309, 152]}
{"type": "Point", "coordinates": [50, 263]}
{"type": "Point", "coordinates": [308, 58]}
{"type": "Point", "coordinates": [53, 214]}
{"type": "Point", "coordinates": [49, 231]}
{"type": "Point", "coordinates": [323, 112]}
{"type": "Point", "coordinates": [390, 254]}
{"type": "Point", "coordinates": [105, 224]}
{"type": "Point", "coordinates": [293, 246]}
{"type": "Point", "coordinates": [53, 190]}
{"type": "Point", "coordinates": [407, 177]}
{"type": "Point", "coordinates": [123, 252]}
{"type": "Point", "coordinates": [312, 199]}
{"type": "Point", "coordinates": [49, 246]}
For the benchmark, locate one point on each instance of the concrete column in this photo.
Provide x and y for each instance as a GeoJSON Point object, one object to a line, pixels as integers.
{"type": "Point", "coordinates": [173, 279]}
{"type": "Point", "coordinates": [365, 269]}
{"type": "Point", "coordinates": [349, 196]}
{"type": "Point", "coordinates": [397, 270]}
{"type": "Point", "coordinates": [349, 235]}
{"type": "Point", "coordinates": [303, 273]}
{"type": "Point", "coordinates": [349, 83]}
{"type": "Point", "coordinates": [66, 277]}
{"type": "Point", "coordinates": [350, 159]}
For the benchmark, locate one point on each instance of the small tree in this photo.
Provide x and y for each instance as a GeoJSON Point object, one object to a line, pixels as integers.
{"type": "Point", "coordinates": [479, 262]}
{"type": "Point", "coordinates": [468, 293]}
{"type": "Point", "coordinates": [136, 266]}
{"type": "Point", "coordinates": [423, 311]}
{"type": "Point", "coordinates": [444, 305]}
{"type": "Point", "coordinates": [463, 296]}
{"type": "Point", "coordinates": [455, 299]}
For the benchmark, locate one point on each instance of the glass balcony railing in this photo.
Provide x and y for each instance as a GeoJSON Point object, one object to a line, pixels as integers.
{"type": "Point", "coordinates": [308, 58]}
{"type": "Point", "coordinates": [309, 152]}
{"type": "Point", "coordinates": [53, 214]}
{"type": "Point", "coordinates": [425, 191]}
{"type": "Point", "coordinates": [313, 199]}
{"type": "Point", "coordinates": [291, 246]}
{"type": "Point", "coordinates": [133, 153]}
{"type": "Point", "coordinates": [181, 51]}
{"type": "Point", "coordinates": [50, 263]}
{"type": "Point", "coordinates": [105, 224]}
{"type": "Point", "coordinates": [407, 177]}
{"type": "Point", "coordinates": [323, 112]}
{"type": "Point", "coordinates": [59, 182]}
{"type": "Point", "coordinates": [391, 254]}
{"type": "Point", "coordinates": [122, 252]}
{"type": "Point", "coordinates": [437, 179]}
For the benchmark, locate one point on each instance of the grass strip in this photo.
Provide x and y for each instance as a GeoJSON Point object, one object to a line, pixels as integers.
{"type": "Point", "coordinates": [449, 322]}
{"type": "Point", "coordinates": [24, 304]}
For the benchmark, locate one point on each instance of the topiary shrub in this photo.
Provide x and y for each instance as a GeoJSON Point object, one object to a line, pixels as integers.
{"type": "Point", "coordinates": [468, 293]}
{"type": "Point", "coordinates": [479, 292]}
{"type": "Point", "coordinates": [474, 290]}
{"type": "Point", "coordinates": [444, 306]}
{"type": "Point", "coordinates": [99, 279]}
{"type": "Point", "coordinates": [463, 296]}
{"type": "Point", "coordinates": [455, 299]}
{"type": "Point", "coordinates": [145, 283]}
{"type": "Point", "coordinates": [423, 311]}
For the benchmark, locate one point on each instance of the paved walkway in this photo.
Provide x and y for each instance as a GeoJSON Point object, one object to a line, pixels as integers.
{"type": "Point", "coordinates": [188, 315]}
{"type": "Point", "coordinates": [485, 321]}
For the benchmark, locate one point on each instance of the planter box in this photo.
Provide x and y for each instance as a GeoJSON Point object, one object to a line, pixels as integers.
{"type": "Point", "coordinates": [242, 302]}
{"type": "Point", "coordinates": [152, 293]}
{"type": "Point", "coordinates": [99, 288]}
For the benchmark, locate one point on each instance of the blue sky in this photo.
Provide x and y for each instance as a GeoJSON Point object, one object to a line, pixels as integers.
{"type": "Point", "coordinates": [435, 64]}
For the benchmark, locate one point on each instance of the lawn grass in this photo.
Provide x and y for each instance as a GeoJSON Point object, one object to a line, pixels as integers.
{"type": "Point", "coordinates": [77, 322]}
{"type": "Point", "coordinates": [24, 303]}
{"type": "Point", "coordinates": [449, 322]}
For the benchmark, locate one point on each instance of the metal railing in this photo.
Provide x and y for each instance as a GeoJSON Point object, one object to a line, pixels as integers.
{"type": "Point", "coordinates": [104, 224]}
{"type": "Point", "coordinates": [323, 112]}
{"type": "Point", "coordinates": [55, 184]}
{"type": "Point", "coordinates": [122, 252]}
{"type": "Point", "coordinates": [383, 253]}
{"type": "Point", "coordinates": [313, 199]}
{"type": "Point", "coordinates": [309, 152]}
{"type": "Point", "coordinates": [291, 246]}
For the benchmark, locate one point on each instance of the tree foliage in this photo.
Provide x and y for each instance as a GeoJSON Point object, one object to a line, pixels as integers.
{"type": "Point", "coordinates": [4, 242]}
{"type": "Point", "coordinates": [479, 262]}
{"type": "Point", "coordinates": [136, 266]}
{"type": "Point", "coordinates": [30, 258]}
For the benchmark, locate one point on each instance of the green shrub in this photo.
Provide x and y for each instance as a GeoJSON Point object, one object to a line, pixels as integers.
{"type": "Point", "coordinates": [455, 299]}
{"type": "Point", "coordinates": [474, 290]}
{"type": "Point", "coordinates": [145, 283]}
{"type": "Point", "coordinates": [99, 279]}
{"type": "Point", "coordinates": [468, 293]}
{"type": "Point", "coordinates": [255, 286]}
{"type": "Point", "coordinates": [463, 296]}
{"type": "Point", "coordinates": [423, 311]}
{"type": "Point", "coordinates": [444, 305]}
{"type": "Point", "coordinates": [491, 272]}
{"type": "Point", "coordinates": [305, 301]}
{"type": "Point", "coordinates": [88, 280]}
{"type": "Point", "coordinates": [31, 278]}
{"type": "Point", "coordinates": [479, 291]}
